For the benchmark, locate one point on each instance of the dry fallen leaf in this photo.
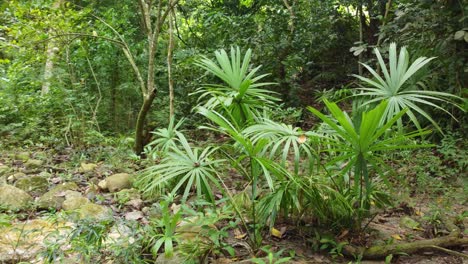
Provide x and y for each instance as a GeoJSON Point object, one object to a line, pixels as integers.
{"type": "Point", "coordinates": [276, 233]}
{"type": "Point", "coordinates": [397, 237]}
{"type": "Point", "coordinates": [238, 234]}
{"type": "Point", "coordinates": [343, 234]}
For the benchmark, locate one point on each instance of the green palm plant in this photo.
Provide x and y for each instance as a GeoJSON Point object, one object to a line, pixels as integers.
{"type": "Point", "coordinates": [243, 96]}
{"type": "Point", "coordinates": [282, 139]}
{"type": "Point", "coordinates": [250, 162]}
{"type": "Point", "coordinates": [166, 138]}
{"type": "Point", "coordinates": [401, 88]}
{"type": "Point", "coordinates": [183, 166]}
{"type": "Point", "coordinates": [359, 145]}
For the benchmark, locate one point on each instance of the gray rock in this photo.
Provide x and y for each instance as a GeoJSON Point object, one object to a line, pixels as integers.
{"type": "Point", "coordinates": [13, 198]}
{"type": "Point", "coordinates": [134, 215]}
{"type": "Point", "coordinates": [56, 196]}
{"type": "Point", "coordinates": [35, 185]}
{"type": "Point", "coordinates": [33, 164]}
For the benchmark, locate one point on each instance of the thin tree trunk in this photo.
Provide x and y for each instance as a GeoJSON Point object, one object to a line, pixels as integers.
{"type": "Point", "coordinates": [113, 87]}
{"type": "Point", "coordinates": [52, 49]}
{"type": "Point", "coordinates": [360, 37]}
{"type": "Point", "coordinates": [170, 49]}
{"type": "Point", "coordinates": [149, 91]}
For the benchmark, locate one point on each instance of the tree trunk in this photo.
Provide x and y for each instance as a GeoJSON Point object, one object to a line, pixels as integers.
{"type": "Point", "coordinates": [141, 120]}
{"type": "Point", "coordinates": [51, 51]}
{"type": "Point", "coordinates": [170, 49]}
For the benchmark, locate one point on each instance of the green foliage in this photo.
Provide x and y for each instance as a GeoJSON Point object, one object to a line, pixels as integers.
{"type": "Point", "coordinates": [182, 167]}
{"type": "Point", "coordinates": [88, 237]}
{"type": "Point", "coordinates": [400, 87]}
{"type": "Point", "coordinates": [242, 99]}
{"type": "Point", "coordinates": [282, 139]}
{"type": "Point", "coordinates": [359, 146]}
{"type": "Point", "coordinates": [163, 231]}
{"type": "Point", "coordinates": [333, 247]}
{"type": "Point", "coordinates": [166, 139]}
{"type": "Point", "coordinates": [211, 239]}
{"type": "Point", "coordinates": [272, 257]}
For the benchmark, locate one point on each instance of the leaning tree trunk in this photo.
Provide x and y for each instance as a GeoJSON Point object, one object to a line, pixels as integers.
{"type": "Point", "coordinates": [141, 120]}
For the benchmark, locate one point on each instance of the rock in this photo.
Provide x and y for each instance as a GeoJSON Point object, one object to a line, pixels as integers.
{"type": "Point", "coordinates": [26, 240]}
{"type": "Point", "coordinates": [74, 203]}
{"type": "Point", "coordinates": [190, 227]}
{"type": "Point", "coordinates": [16, 176]}
{"type": "Point", "coordinates": [23, 156]}
{"type": "Point", "coordinates": [94, 211]}
{"type": "Point", "coordinates": [33, 164]}
{"type": "Point", "coordinates": [87, 167]}
{"type": "Point", "coordinates": [135, 203]}
{"type": "Point", "coordinates": [56, 196]}
{"type": "Point", "coordinates": [71, 194]}
{"type": "Point", "coordinates": [91, 191]}
{"type": "Point", "coordinates": [34, 185]}
{"type": "Point", "coordinates": [102, 185]}
{"type": "Point", "coordinates": [154, 212]}
{"type": "Point", "coordinates": [133, 216]}
{"type": "Point", "coordinates": [126, 195]}
{"type": "Point", "coordinates": [45, 174]}
{"type": "Point", "coordinates": [118, 182]}
{"type": "Point", "coordinates": [56, 180]}
{"type": "Point", "coordinates": [4, 169]}
{"type": "Point", "coordinates": [175, 259]}
{"type": "Point", "coordinates": [13, 198]}
{"type": "Point", "coordinates": [119, 236]}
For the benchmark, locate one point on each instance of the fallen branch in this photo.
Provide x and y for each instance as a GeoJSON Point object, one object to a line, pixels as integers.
{"type": "Point", "coordinates": [441, 243]}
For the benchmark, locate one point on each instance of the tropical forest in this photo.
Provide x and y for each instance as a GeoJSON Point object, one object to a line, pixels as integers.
{"type": "Point", "coordinates": [233, 131]}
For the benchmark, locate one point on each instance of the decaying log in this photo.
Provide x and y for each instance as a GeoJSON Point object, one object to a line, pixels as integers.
{"type": "Point", "coordinates": [455, 238]}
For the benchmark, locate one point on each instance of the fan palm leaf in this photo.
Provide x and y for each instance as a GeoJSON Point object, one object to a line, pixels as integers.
{"type": "Point", "coordinates": [400, 90]}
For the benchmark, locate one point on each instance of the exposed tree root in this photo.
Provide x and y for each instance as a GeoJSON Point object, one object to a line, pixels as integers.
{"type": "Point", "coordinates": [441, 243]}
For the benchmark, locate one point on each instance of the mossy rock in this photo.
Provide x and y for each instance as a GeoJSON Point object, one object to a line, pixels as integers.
{"type": "Point", "coordinates": [87, 167]}
{"type": "Point", "coordinates": [35, 185]}
{"type": "Point", "coordinates": [74, 203]}
{"type": "Point", "coordinates": [33, 164]}
{"type": "Point", "coordinates": [4, 169]}
{"type": "Point", "coordinates": [23, 156]}
{"type": "Point", "coordinates": [13, 198]}
{"type": "Point", "coordinates": [127, 195]}
{"type": "Point", "coordinates": [56, 196]}
{"type": "Point", "coordinates": [16, 176]}
{"type": "Point", "coordinates": [117, 182]}
{"type": "Point", "coordinates": [94, 212]}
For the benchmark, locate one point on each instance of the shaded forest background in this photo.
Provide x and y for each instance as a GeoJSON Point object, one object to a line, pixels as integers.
{"type": "Point", "coordinates": [65, 77]}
